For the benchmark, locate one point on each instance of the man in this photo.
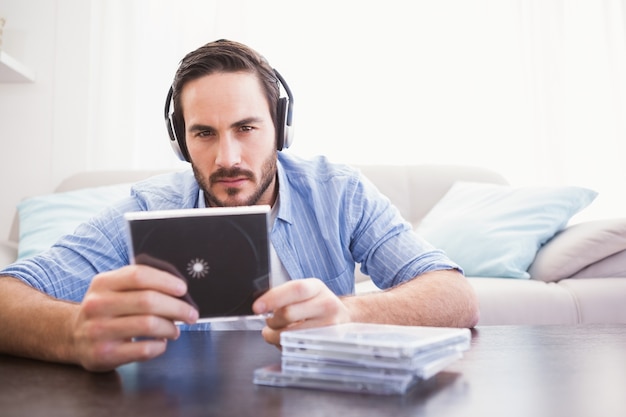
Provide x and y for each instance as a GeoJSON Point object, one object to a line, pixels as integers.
{"type": "Point", "coordinates": [81, 302]}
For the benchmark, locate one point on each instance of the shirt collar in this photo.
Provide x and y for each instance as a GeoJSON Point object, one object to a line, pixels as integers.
{"type": "Point", "coordinates": [201, 200]}
{"type": "Point", "coordinates": [285, 210]}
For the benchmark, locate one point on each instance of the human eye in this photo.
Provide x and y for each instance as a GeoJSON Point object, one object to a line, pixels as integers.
{"type": "Point", "coordinates": [205, 133]}
{"type": "Point", "coordinates": [248, 125]}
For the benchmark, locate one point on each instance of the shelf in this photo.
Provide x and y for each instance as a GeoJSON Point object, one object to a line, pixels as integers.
{"type": "Point", "coordinates": [13, 71]}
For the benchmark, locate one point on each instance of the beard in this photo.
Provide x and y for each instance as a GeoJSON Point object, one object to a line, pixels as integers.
{"type": "Point", "coordinates": [268, 173]}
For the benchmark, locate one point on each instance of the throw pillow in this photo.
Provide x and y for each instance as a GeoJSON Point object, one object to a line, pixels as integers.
{"type": "Point", "coordinates": [44, 219]}
{"type": "Point", "coordinates": [613, 266]}
{"type": "Point", "coordinates": [495, 230]}
{"type": "Point", "coordinates": [573, 251]}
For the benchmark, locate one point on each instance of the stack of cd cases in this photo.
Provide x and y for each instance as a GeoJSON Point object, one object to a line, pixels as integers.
{"type": "Point", "coordinates": [367, 358]}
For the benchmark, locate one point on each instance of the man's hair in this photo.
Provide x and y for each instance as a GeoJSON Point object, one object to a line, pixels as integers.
{"type": "Point", "coordinates": [224, 56]}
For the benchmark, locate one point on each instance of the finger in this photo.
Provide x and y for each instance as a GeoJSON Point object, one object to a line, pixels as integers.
{"type": "Point", "coordinates": [106, 344]}
{"type": "Point", "coordinates": [272, 335]}
{"type": "Point", "coordinates": [305, 310]}
{"type": "Point", "coordinates": [288, 293]}
{"type": "Point", "coordinates": [108, 356]}
{"type": "Point", "coordinates": [143, 303]}
{"type": "Point", "coordinates": [96, 332]}
{"type": "Point", "coordinates": [321, 310]}
{"type": "Point", "coordinates": [136, 277]}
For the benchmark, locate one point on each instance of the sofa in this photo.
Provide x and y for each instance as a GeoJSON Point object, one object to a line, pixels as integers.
{"type": "Point", "coordinates": [526, 260]}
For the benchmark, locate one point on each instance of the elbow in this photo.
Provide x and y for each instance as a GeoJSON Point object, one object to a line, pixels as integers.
{"type": "Point", "coordinates": [466, 313]}
{"type": "Point", "coordinates": [472, 311]}
{"type": "Point", "coordinates": [473, 318]}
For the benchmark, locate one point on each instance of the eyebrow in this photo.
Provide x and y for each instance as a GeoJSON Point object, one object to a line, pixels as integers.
{"type": "Point", "coordinates": [244, 122]}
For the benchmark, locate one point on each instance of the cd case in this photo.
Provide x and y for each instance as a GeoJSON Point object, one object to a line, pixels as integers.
{"type": "Point", "coordinates": [376, 340]}
{"type": "Point", "coordinates": [362, 357]}
{"type": "Point", "coordinates": [274, 376]}
{"type": "Point", "coordinates": [222, 253]}
{"type": "Point", "coordinates": [423, 368]}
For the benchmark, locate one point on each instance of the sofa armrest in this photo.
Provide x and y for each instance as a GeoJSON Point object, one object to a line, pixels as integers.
{"type": "Point", "coordinates": [8, 252]}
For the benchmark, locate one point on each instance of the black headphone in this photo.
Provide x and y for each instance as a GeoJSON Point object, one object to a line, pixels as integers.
{"type": "Point", "coordinates": [284, 130]}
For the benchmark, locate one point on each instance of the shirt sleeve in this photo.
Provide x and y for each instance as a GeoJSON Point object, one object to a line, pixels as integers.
{"type": "Point", "coordinates": [389, 251]}
{"type": "Point", "coordinates": [67, 268]}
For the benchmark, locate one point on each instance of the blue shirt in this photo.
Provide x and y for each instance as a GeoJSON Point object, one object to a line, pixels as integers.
{"type": "Point", "coordinates": [330, 217]}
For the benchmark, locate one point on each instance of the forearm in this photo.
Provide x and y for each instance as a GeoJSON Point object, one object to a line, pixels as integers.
{"type": "Point", "coordinates": [440, 298]}
{"type": "Point", "coordinates": [34, 324]}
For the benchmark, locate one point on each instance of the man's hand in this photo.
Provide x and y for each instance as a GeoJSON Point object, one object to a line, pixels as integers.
{"type": "Point", "coordinates": [299, 304]}
{"type": "Point", "coordinates": [439, 298]}
{"type": "Point", "coordinates": [122, 306]}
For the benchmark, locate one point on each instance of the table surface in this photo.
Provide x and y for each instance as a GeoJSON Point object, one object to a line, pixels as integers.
{"type": "Point", "coordinates": [528, 371]}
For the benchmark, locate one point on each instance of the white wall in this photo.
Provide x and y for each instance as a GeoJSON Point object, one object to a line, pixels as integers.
{"type": "Point", "coordinates": [43, 124]}
{"type": "Point", "coordinates": [534, 89]}
{"type": "Point", "coordinates": [26, 116]}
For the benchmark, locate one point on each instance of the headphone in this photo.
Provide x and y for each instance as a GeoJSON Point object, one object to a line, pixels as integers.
{"type": "Point", "coordinates": [284, 130]}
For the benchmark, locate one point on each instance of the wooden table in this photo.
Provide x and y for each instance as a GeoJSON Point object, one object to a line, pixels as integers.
{"type": "Point", "coordinates": [510, 371]}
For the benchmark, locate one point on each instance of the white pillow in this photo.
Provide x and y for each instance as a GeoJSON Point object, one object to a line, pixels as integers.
{"type": "Point", "coordinates": [581, 250]}
{"type": "Point", "coordinates": [44, 219]}
{"type": "Point", "coordinates": [495, 230]}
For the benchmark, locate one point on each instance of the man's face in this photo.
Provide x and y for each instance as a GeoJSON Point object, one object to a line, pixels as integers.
{"type": "Point", "coordinates": [231, 139]}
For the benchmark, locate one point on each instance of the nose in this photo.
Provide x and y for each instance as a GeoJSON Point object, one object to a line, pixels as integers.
{"type": "Point", "coordinates": [228, 152]}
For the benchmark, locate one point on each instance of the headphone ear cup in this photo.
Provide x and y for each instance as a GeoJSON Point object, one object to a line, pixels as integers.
{"type": "Point", "coordinates": [281, 129]}
{"type": "Point", "coordinates": [173, 131]}
{"type": "Point", "coordinates": [288, 134]}
{"type": "Point", "coordinates": [285, 116]}
{"type": "Point", "coordinates": [178, 146]}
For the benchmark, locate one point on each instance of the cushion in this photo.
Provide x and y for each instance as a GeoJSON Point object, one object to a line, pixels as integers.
{"type": "Point", "coordinates": [495, 230]}
{"type": "Point", "coordinates": [613, 266]}
{"type": "Point", "coordinates": [588, 249]}
{"type": "Point", "coordinates": [43, 219]}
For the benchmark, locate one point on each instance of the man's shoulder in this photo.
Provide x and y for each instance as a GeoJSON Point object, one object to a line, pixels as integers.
{"type": "Point", "coordinates": [176, 189]}
{"type": "Point", "coordinates": [318, 168]}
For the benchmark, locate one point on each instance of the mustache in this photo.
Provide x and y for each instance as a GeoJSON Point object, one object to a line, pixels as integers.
{"type": "Point", "coordinates": [230, 173]}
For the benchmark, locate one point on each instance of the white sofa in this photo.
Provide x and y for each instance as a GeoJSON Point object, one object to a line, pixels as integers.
{"type": "Point", "coordinates": [559, 290]}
